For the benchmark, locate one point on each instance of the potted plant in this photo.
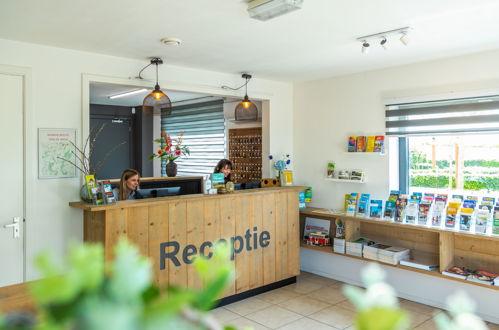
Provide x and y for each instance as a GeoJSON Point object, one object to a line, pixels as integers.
{"type": "Point", "coordinates": [169, 150]}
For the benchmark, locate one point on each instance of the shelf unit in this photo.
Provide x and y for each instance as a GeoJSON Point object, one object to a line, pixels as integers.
{"type": "Point", "coordinates": [450, 247]}
{"type": "Point", "coordinates": [245, 152]}
{"type": "Point", "coordinates": [345, 180]}
{"type": "Point", "coordinates": [365, 153]}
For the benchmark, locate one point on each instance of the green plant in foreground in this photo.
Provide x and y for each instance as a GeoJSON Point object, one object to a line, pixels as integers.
{"type": "Point", "coordinates": [378, 309]}
{"type": "Point", "coordinates": [92, 296]}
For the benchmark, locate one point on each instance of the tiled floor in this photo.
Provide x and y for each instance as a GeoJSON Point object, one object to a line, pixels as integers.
{"type": "Point", "coordinates": [314, 302]}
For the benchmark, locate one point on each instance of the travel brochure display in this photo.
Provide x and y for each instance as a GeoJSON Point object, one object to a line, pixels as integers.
{"type": "Point", "coordinates": [458, 213]}
{"type": "Point", "coordinates": [366, 144]}
{"type": "Point", "coordinates": [100, 193]}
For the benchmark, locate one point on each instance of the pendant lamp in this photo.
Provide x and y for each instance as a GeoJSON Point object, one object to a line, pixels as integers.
{"type": "Point", "coordinates": [246, 110]}
{"type": "Point", "coordinates": [156, 102]}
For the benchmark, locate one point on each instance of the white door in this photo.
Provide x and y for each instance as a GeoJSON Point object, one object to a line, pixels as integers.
{"type": "Point", "coordinates": [12, 180]}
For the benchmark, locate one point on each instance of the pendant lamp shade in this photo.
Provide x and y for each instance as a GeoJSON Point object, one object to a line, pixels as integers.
{"type": "Point", "coordinates": [157, 102]}
{"type": "Point", "coordinates": [246, 110]}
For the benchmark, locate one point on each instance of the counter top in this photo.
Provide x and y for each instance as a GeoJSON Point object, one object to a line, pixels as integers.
{"type": "Point", "coordinates": [192, 197]}
{"type": "Point", "coordinates": [162, 178]}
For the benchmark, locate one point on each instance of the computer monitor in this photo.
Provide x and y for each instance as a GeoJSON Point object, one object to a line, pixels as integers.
{"type": "Point", "coordinates": [157, 192]}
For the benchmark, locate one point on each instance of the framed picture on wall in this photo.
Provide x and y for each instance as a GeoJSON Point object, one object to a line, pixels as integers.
{"type": "Point", "coordinates": [55, 145]}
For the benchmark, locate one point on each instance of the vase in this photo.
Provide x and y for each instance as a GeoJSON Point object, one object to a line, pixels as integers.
{"type": "Point", "coordinates": [84, 194]}
{"type": "Point", "coordinates": [171, 168]}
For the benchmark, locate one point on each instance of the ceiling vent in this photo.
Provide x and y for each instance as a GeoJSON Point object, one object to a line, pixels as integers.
{"type": "Point", "coordinates": [266, 9]}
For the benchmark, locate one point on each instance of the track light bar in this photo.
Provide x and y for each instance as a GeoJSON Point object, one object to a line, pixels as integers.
{"type": "Point", "coordinates": [383, 38]}
{"type": "Point", "coordinates": [385, 33]}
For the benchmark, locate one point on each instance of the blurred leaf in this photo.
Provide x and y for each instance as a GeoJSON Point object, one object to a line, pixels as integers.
{"type": "Point", "coordinates": [382, 319]}
{"type": "Point", "coordinates": [150, 294]}
{"type": "Point", "coordinates": [131, 273]}
{"type": "Point", "coordinates": [86, 272]}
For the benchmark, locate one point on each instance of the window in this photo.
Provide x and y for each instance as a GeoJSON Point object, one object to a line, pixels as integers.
{"type": "Point", "coordinates": [449, 146]}
{"type": "Point", "coordinates": [463, 164]}
{"type": "Point", "coordinates": [203, 125]}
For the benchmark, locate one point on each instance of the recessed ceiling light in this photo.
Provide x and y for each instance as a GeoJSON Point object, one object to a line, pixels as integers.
{"type": "Point", "coordinates": [171, 41]}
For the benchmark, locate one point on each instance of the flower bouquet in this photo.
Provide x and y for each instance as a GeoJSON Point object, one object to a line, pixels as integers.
{"type": "Point", "coordinates": [169, 150]}
{"type": "Point", "coordinates": [280, 164]}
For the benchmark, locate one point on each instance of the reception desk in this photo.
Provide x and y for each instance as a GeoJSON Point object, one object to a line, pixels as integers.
{"type": "Point", "coordinates": [261, 224]}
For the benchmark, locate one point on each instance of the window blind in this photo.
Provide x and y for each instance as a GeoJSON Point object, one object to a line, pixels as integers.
{"type": "Point", "coordinates": [479, 114]}
{"type": "Point", "coordinates": [203, 125]}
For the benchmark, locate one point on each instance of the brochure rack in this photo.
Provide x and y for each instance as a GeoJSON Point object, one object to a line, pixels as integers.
{"type": "Point", "coordinates": [449, 246]}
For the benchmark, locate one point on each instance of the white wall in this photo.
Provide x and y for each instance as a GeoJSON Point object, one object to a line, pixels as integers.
{"type": "Point", "coordinates": [326, 112]}
{"type": "Point", "coordinates": [58, 96]}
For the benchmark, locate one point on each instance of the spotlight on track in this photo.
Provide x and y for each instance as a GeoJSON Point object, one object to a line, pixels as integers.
{"type": "Point", "coordinates": [383, 43]}
{"type": "Point", "coordinates": [365, 47]}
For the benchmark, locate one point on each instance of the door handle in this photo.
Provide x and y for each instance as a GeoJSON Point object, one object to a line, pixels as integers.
{"type": "Point", "coordinates": [14, 225]}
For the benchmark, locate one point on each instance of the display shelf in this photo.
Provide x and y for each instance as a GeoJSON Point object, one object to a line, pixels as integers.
{"type": "Point", "coordinates": [366, 153]}
{"type": "Point", "coordinates": [345, 180]}
{"type": "Point", "coordinates": [448, 246]}
{"type": "Point", "coordinates": [436, 273]}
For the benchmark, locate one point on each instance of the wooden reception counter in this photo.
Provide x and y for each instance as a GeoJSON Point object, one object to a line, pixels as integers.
{"type": "Point", "coordinates": [262, 224]}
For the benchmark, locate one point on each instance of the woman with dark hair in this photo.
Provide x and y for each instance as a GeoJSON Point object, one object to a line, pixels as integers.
{"type": "Point", "coordinates": [129, 184]}
{"type": "Point", "coordinates": [224, 166]}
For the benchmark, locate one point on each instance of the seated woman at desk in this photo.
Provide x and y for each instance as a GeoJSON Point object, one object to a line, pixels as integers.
{"type": "Point", "coordinates": [129, 183]}
{"type": "Point", "coordinates": [224, 166]}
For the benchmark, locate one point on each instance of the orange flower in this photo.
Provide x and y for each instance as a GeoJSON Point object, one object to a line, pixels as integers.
{"type": "Point", "coordinates": [160, 151]}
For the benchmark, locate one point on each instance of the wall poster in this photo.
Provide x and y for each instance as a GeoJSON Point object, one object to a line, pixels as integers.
{"type": "Point", "coordinates": [54, 144]}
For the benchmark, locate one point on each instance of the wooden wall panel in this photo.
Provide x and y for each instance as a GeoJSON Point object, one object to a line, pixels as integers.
{"type": "Point", "coordinates": [211, 223]}
{"type": "Point", "coordinates": [195, 236]}
{"type": "Point", "coordinates": [477, 253]}
{"type": "Point", "coordinates": [242, 259]}
{"type": "Point", "coordinates": [269, 257]}
{"type": "Point", "coordinates": [227, 230]}
{"type": "Point", "coordinates": [138, 229]}
{"type": "Point", "coordinates": [116, 227]}
{"type": "Point", "coordinates": [94, 226]}
{"type": "Point", "coordinates": [294, 238]}
{"type": "Point", "coordinates": [158, 233]}
{"type": "Point", "coordinates": [177, 231]}
{"type": "Point", "coordinates": [410, 237]}
{"type": "Point", "coordinates": [256, 259]}
{"type": "Point", "coordinates": [281, 236]}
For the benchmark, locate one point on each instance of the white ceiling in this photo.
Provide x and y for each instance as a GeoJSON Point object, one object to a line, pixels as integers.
{"type": "Point", "coordinates": [315, 42]}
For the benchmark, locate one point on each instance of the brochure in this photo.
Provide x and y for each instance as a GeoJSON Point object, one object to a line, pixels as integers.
{"type": "Point", "coordinates": [376, 209]}
{"type": "Point", "coordinates": [438, 209]}
{"type": "Point", "coordinates": [495, 224]}
{"type": "Point", "coordinates": [400, 208]}
{"type": "Point", "coordinates": [466, 219]}
{"type": "Point", "coordinates": [389, 210]}
{"type": "Point", "coordinates": [482, 217]}
{"type": "Point", "coordinates": [424, 209]}
{"type": "Point", "coordinates": [394, 195]}
{"type": "Point", "coordinates": [379, 144]}
{"type": "Point", "coordinates": [361, 143]}
{"type": "Point", "coordinates": [450, 219]}
{"type": "Point", "coordinates": [370, 144]}
{"type": "Point", "coordinates": [362, 210]}
{"type": "Point", "coordinates": [107, 192]}
{"type": "Point", "coordinates": [412, 211]}
{"type": "Point", "coordinates": [352, 144]}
